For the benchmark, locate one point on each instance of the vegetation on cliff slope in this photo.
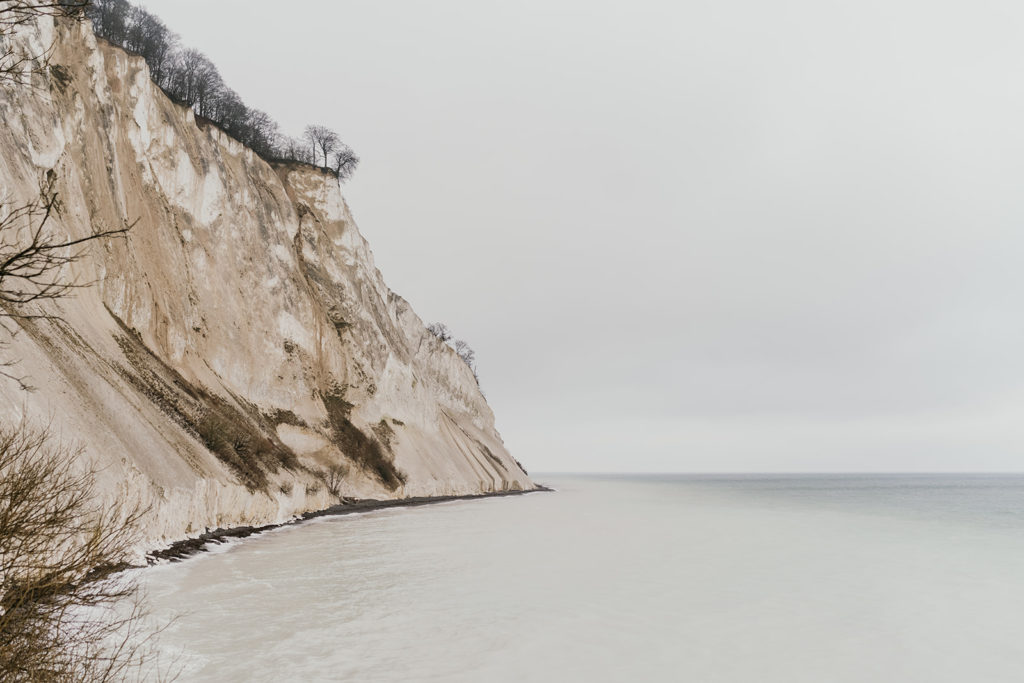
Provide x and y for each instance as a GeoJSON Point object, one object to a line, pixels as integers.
{"type": "Point", "coordinates": [461, 348]}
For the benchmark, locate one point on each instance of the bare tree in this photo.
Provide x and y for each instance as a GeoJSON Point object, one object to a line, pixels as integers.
{"type": "Point", "coordinates": [196, 82]}
{"type": "Point", "coordinates": [261, 133]}
{"type": "Point", "coordinates": [345, 162]}
{"type": "Point", "coordinates": [334, 477]}
{"type": "Point", "coordinates": [467, 354]}
{"type": "Point", "coordinates": [231, 113]}
{"type": "Point", "coordinates": [440, 330]}
{"type": "Point", "coordinates": [148, 36]}
{"type": "Point", "coordinates": [63, 595]}
{"type": "Point", "coordinates": [309, 137]}
{"type": "Point", "coordinates": [295, 149]}
{"type": "Point", "coordinates": [323, 139]}
{"type": "Point", "coordinates": [464, 351]}
{"type": "Point", "coordinates": [110, 19]}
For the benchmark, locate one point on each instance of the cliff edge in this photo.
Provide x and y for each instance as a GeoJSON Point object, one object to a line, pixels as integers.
{"type": "Point", "coordinates": [237, 359]}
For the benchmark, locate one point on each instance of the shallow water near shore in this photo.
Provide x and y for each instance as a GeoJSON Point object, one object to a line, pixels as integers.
{"type": "Point", "coordinates": [675, 578]}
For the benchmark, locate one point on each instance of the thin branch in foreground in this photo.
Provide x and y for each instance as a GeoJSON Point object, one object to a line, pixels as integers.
{"type": "Point", "coordinates": [34, 260]}
{"type": "Point", "coordinates": [68, 611]}
{"type": "Point", "coordinates": [16, 65]}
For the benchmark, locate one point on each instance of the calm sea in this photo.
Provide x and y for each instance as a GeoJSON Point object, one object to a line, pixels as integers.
{"type": "Point", "coordinates": [680, 578]}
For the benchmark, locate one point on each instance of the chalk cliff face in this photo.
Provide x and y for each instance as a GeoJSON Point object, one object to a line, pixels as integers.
{"type": "Point", "coordinates": [238, 358]}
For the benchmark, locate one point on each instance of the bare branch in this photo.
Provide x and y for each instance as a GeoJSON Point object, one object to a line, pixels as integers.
{"type": "Point", "coordinates": [62, 588]}
{"type": "Point", "coordinates": [16, 65]}
{"type": "Point", "coordinates": [33, 259]}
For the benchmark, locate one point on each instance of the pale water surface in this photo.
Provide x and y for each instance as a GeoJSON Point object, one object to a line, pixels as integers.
{"type": "Point", "coordinates": [738, 578]}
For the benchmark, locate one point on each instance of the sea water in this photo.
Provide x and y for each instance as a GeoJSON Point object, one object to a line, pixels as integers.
{"type": "Point", "coordinates": [672, 578]}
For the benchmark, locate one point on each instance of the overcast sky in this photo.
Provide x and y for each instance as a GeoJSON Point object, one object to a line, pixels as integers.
{"type": "Point", "coordinates": [727, 235]}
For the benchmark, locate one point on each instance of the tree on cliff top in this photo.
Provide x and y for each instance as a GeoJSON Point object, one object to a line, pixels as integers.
{"type": "Point", "coordinates": [440, 330]}
{"type": "Point", "coordinates": [322, 139]}
{"type": "Point", "coordinates": [466, 353]}
{"type": "Point", "coordinates": [191, 78]}
{"type": "Point", "coordinates": [464, 350]}
{"type": "Point", "coordinates": [345, 162]}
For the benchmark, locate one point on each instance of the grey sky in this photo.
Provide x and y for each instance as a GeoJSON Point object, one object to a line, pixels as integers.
{"type": "Point", "coordinates": [685, 236]}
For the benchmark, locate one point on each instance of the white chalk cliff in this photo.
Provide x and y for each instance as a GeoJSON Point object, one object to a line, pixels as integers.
{"type": "Point", "coordinates": [239, 349]}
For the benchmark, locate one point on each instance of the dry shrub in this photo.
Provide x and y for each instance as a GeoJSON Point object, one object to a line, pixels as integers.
{"type": "Point", "coordinates": [363, 450]}
{"type": "Point", "coordinates": [334, 477]}
{"type": "Point", "coordinates": [67, 610]}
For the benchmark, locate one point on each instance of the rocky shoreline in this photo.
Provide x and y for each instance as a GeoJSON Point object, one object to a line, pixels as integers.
{"type": "Point", "coordinates": [180, 550]}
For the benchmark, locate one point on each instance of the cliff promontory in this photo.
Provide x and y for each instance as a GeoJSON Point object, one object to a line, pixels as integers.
{"type": "Point", "coordinates": [237, 358]}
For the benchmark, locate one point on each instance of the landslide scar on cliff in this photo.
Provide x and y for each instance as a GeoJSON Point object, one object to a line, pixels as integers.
{"type": "Point", "coordinates": [490, 456]}
{"type": "Point", "coordinates": [246, 443]}
{"type": "Point", "coordinates": [363, 450]}
{"type": "Point", "coordinates": [482, 448]}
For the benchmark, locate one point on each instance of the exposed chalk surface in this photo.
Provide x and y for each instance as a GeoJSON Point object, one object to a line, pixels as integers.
{"type": "Point", "coordinates": [238, 360]}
